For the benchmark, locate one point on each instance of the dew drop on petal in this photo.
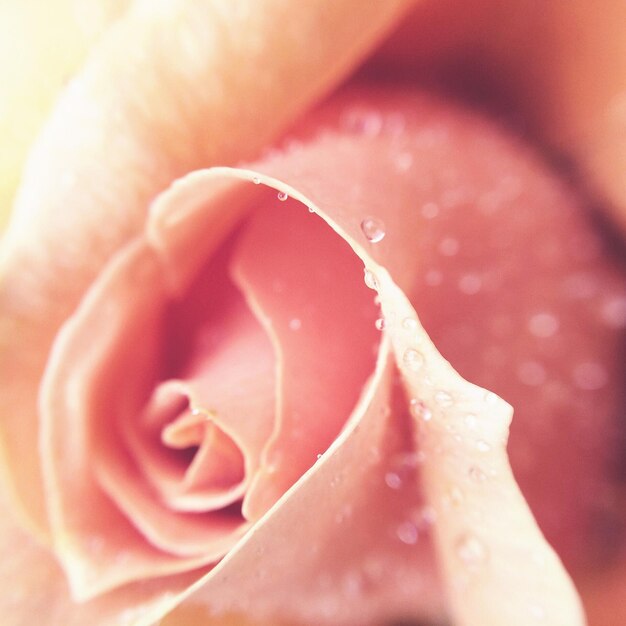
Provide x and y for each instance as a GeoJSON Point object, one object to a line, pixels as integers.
{"type": "Point", "coordinates": [590, 376]}
{"type": "Point", "coordinates": [429, 210]}
{"type": "Point", "coordinates": [425, 516]}
{"type": "Point", "coordinates": [393, 480]}
{"type": "Point", "coordinates": [470, 284]}
{"type": "Point", "coordinates": [373, 229]}
{"type": "Point", "coordinates": [380, 323]}
{"type": "Point", "coordinates": [531, 373]}
{"type": "Point", "coordinates": [420, 411]}
{"type": "Point", "coordinates": [471, 551]}
{"type": "Point", "coordinates": [407, 533]}
{"type": "Point", "coordinates": [368, 123]}
{"type": "Point", "coordinates": [444, 399]}
{"type": "Point", "coordinates": [537, 612]}
{"type": "Point", "coordinates": [256, 180]}
{"type": "Point", "coordinates": [470, 420]}
{"type": "Point", "coordinates": [433, 278]}
{"type": "Point", "coordinates": [449, 246]}
{"type": "Point", "coordinates": [352, 584]}
{"type": "Point", "coordinates": [409, 323]}
{"type": "Point", "coordinates": [455, 496]}
{"type": "Point", "coordinates": [282, 196]}
{"type": "Point", "coordinates": [476, 474]}
{"type": "Point", "coordinates": [490, 397]}
{"type": "Point", "coordinates": [403, 161]}
{"type": "Point", "coordinates": [295, 323]}
{"type": "Point", "coordinates": [370, 279]}
{"type": "Point", "coordinates": [413, 359]}
{"type": "Point", "coordinates": [614, 312]}
{"type": "Point", "coordinates": [543, 325]}
{"type": "Point", "coordinates": [482, 446]}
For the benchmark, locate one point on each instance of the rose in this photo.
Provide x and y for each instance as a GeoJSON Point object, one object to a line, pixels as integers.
{"type": "Point", "coordinates": [320, 472]}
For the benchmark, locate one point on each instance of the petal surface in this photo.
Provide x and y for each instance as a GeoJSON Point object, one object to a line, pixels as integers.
{"type": "Point", "coordinates": [106, 152]}
{"type": "Point", "coordinates": [461, 430]}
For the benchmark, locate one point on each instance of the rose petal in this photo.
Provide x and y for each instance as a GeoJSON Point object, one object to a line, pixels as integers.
{"type": "Point", "coordinates": [480, 566]}
{"type": "Point", "coordinates": [91, 383]}
{"type": "Point", "coordinates": [284, 261]}
{"type": "Point", "coordinates": [107, 151]}
{"type": "Point", "coordinates": [356, 562]}
{"type": "Point", "coordinates": [36, 589]}
{"type": "Point", "coordinates": [536, 61]}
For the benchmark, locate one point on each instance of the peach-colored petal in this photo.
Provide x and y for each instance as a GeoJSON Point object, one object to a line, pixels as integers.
{"type": "Point", "coordinates": [307, 286]}
{"type": "Point", "coordinates": [498, 567]}
{"type": "Point", "coordinates": [157, 98]}
{"type": "Point", "coordinates": [91, 383]}
{"type": "Point", "coordinates": [102, 392]}
{"type": "Point", "coordinates": [38, 55]}
{"type": "Point", "coordinates": [354, 562]}
{"type": "Point", "coordinates": [36, 591]}
{"type": "Point", "coordinates": [561, 66]}
{"type": "Point", "coordinates": [377, 142]}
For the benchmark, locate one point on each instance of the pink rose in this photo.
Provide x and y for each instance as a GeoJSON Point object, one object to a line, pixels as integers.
{"type": "Point", "coordinates": [219, 399]}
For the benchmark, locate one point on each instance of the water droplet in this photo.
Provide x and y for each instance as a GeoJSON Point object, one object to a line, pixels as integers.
{"type": "Point", "coordinates": [531, 373]}
{"type": "Point", "coordinates": [380, 323]}
{"type": "Point", "coordinates": [403, 161]}
{"type": "Point", "coordinates": [344, 513]}
{"type": "Point", "coordinates": [256, 180]}
{"type": "Point", "coordinates": [470, 284]}
{"type": "Point", "coordinates": [393, 480]}
{"type": "Point", "coordinates": [590, 376]}
{"type": "Point", "coordinates": [444, 399]}
{"type": "Point", "coordinates": [319, 456]}
{"type": "Point", "coordinates": [449, 246]}
{"type": "Point", "coordinates": [543, 325]}
{"type": "Point", "coordinates": [370, 279]}
{"type": "Point", "coordinates": [366, 122]}
{"type": "Point", "coordinates": [425, 517]}
{"type": "Point", "coordinates": [311, 209]}
{"type": "Point", "coordinates": [282, 196]}
{"type": "Point", "coordinates": [429, 210]}
{"type": "Point", "coordinates": [409, 460]}
{"type": "Point", "coordinates": [395, 123]}
{"type": "Point", "coordinates": [409, 323]}
{"type": "Point", "coordinates": [455, 496]}
{"type": "Point", "coordinates": [352, 584]}
{"type": "Point", "coordinates": [413, 359]}
{"type": "Point", "coordinates": [407, 533]}
{"type": "Point", "coordinates": [373, 229]}
{"type": "Point", "coordinates": [476, 474]}
{"type": "Point", "coordinates": [433, 278]}
{"type": "Point", "coordinates": [614, 312]}
{"type": "Point", "coordinates": [471, 551]}
{"type": "Point", "coordinates": [579, 286]}
{"type": "Point", "coordinates": [490, 397]}
{"type": "Point", "coordinates": [295, 323]}
{"type": "Point", "coordinates": [420, 411]}
{"type": "Point", "coordinates": [482, 446]}
{"type": "Point", "coordinates": [471, 421]}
